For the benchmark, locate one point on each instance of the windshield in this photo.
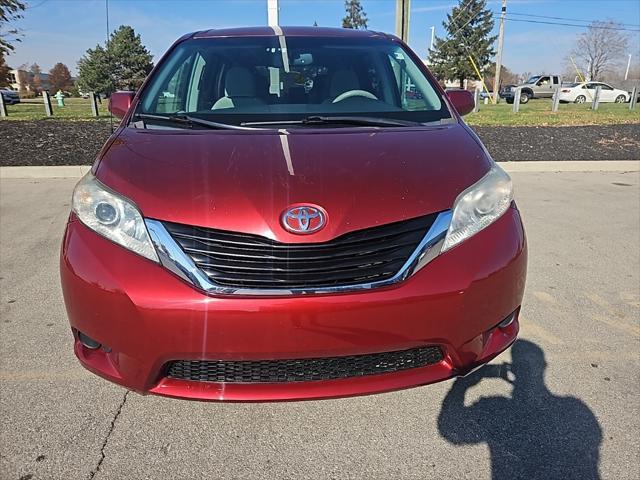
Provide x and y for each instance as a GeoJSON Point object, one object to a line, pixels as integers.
{"type": "Point", "coordinates": [533, 79]}
{"type": "Point", "coordinates": [277, 78]}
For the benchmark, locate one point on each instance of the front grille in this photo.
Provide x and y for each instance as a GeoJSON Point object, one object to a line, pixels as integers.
{"type": "Point", "coordinates": [242, 260]}
{"type": "Point", "coordinates": [302, 370]}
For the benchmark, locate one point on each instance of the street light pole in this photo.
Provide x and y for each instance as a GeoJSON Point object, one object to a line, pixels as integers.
{"type": "Point", "coordinates": [626, 73]}
{"type": "Point", "coordinates": [496, 80]}
{"type": "Point", "coordinates": [272, 13]}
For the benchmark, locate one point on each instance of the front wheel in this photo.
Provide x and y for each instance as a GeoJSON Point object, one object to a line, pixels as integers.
{"type": "Point", "coordinates": [621, 99]}
{"type": "Point", "coordinates": [524, 98]}
{"type": "Point", "coordinates": [580, 99]}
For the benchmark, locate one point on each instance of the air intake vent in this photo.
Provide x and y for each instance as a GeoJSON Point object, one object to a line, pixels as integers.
{"type": "Point", "coordinates": [303, 370]}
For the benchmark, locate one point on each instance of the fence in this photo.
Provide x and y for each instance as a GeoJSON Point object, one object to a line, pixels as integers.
{"type": "Point", "coordinates": [64, 106]}
{"type": "Point", "coordinates": [595, 98]}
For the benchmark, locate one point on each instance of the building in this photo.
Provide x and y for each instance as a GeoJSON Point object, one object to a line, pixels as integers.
{"type": "Point", "coordinates": [26, 82]}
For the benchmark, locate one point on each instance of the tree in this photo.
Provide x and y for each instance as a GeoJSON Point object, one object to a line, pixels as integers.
{"type": "Point", "coordinates": [507, 77]}
{"type": "Point", "coordinates": [355, 18]}
{"type": "Point", "coordinates": [35, 77]}
{"type": "Point", "coordinates": [524, 76]}
{"type": "Point", "coordinates": [5, 79]}
{"type": "Point", "coordinates": [10, 11]}
{"type": "Point", "coordinates": [468, 29]}
{"type": "Point", "coordinates": [60, 78]}
{"type": "Point", "coordinates": [94, 72]}
{"type": "Point", "coordinates": [122, 64]}
{"type": "Point", "coordinates": [131, 60]}
{"type": "Point", "coordinates": [602, 47]}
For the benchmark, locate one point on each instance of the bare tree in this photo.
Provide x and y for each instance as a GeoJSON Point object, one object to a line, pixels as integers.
{"type": "Point", "coordinates": [602, 47]}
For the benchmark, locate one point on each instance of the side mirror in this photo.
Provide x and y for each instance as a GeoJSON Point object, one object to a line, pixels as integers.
{"type": "Point", "coordinates": [462, 100]}
{"type": "Point", "coordinates": [119, 103]}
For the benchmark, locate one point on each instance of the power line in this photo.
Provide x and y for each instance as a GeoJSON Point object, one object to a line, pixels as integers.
{"type": "Point", "coordinates": [572, 25]}
{"type": "Point", "coordinates": [462, 9]}
{"type": "Point", "coordinates": [468, 21]}
{"type": "Point", "coordinates": [566, 18]}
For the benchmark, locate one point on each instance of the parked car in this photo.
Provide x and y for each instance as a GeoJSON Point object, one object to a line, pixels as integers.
{"type": "Point", "coordinates": [11, 97]}
{"type": "Point", "coordinates": [539, 86]}
{"type": "Point", "coordinates": [585, 91]}
{"type": "Point", "coordinates": [289, 227]}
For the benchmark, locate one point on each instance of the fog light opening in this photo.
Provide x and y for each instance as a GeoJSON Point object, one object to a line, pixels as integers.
{"type": "Point", "coordinates": [87, 341]}
{"type": "Point", "coordinates": [508, 321]}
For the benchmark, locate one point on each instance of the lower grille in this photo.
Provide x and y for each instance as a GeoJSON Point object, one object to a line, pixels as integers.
{"type": "Point", "coordinates": [302, 370]}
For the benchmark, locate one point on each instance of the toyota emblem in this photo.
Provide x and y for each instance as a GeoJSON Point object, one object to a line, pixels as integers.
{"type": "Point", "coordinates": [303, 219]}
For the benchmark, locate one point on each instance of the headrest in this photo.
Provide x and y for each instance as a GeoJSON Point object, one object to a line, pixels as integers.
{"type": "Point", "coordinates": [239, 83]}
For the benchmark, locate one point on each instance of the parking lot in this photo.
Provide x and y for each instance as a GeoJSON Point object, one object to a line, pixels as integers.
{"type": "Point", "coordinates": [565, 403]}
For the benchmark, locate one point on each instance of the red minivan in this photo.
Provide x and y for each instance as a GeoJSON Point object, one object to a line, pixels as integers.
{"type": "Point", "coordinates": [291, 213]}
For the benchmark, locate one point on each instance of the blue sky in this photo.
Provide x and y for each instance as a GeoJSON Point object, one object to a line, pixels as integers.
{"type": "Point", "coordinates": [62, 30]}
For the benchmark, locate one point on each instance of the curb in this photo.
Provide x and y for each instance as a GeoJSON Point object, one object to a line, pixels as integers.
{"type": "Point", "coordinates": [70, 171]}
{"type": "Point", "coordinates": [573, 166]}
{"type": "Point", "coordinates": [65, 171]}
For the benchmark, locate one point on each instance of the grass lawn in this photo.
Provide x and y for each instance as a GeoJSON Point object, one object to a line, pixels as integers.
{"type": "Point", "coordinates": [538, 113]}
{"type": "Point", "coordinates": [534, 113]}
{"type": "Point", "coordinates": [74, 109]}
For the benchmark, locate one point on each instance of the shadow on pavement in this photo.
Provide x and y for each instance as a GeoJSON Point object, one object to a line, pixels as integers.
{"type": "Point", "coordinates": [534, 434]}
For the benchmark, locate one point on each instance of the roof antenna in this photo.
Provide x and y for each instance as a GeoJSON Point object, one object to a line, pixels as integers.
{"type": "Point", "coordinates": [106, 6]}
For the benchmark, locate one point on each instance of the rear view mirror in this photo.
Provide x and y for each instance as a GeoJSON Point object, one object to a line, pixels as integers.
{"type": "Point", "coordinates": [462, 101]}
{"type": "Point", "coordinates": [119, 103]}
{"type": "Point", "coordinates": [303, 59]}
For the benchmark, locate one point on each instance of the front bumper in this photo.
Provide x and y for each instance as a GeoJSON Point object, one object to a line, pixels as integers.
{"type": "Point", "coordinates": [145, 317]}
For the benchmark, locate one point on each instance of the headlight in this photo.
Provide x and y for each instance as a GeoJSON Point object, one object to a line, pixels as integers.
{"type": "Point", "coordinates": [478, 206]}
{"type": "Point", "coordinates": [112, 216]}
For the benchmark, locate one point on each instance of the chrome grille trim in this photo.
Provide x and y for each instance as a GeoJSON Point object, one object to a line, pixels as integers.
{"type": "Point", "coordinates": [177, 261]}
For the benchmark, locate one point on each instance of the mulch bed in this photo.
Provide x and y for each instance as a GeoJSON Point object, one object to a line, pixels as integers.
{"type": "Point", "coordinates": [55, 142]}
{"type": "Point", "coordinates": [590, 142]}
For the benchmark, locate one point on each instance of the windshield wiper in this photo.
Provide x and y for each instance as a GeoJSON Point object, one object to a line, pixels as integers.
{"type": "Point", "coordinates": [338, 120]}
{"type": "Point", "coordinates": [189, 121]}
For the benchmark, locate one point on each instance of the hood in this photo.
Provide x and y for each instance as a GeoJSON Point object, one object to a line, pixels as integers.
{"type": "Point", "coordinates": [239, 181]}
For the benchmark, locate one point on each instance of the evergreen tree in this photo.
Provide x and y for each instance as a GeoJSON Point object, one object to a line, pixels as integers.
{"type": "Point", "coordinates": [131, 60]}
{"type": "Point", "coordinates": [94, 72]}
{"type": "Point", "coordinates": [122, 65]}
{"type": "Point", "coordinates": [60, 78]}
{"type": "Point", "coordinates": [355, 18]}
{"type": "Point", "coordinates": [468, 29]}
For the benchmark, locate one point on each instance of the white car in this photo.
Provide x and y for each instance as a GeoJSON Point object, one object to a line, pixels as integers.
{"type": "Point", "coordinates": [585, 92]}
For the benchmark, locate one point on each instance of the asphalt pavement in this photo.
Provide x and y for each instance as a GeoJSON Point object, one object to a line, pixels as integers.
{"type": "Point", "coordinates": [564, 403]}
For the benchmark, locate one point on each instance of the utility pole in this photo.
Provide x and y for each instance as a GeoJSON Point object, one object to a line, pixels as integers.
{"type": "Point", "coordinates": [433, 37]}
{"type": "Point", "coordinates": [496, 80]}
{"type": "Point", "coordinates": [273, 13]}
{"type": "Point", "coordinates": [402, 19]}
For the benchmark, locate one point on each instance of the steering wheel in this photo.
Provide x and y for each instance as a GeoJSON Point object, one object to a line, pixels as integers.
{"type": "Point", "coordinates": [354, 93]}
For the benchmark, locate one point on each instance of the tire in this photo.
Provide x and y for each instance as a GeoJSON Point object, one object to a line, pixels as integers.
{"type": "Point", "coordinates": [524, 97]}
{"type": "Point", "coordinates": [509, 100]}
{"type": "Point", "coordinates": [621, 99]}
{"type": "Point", "coordinates": [580, 99]}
